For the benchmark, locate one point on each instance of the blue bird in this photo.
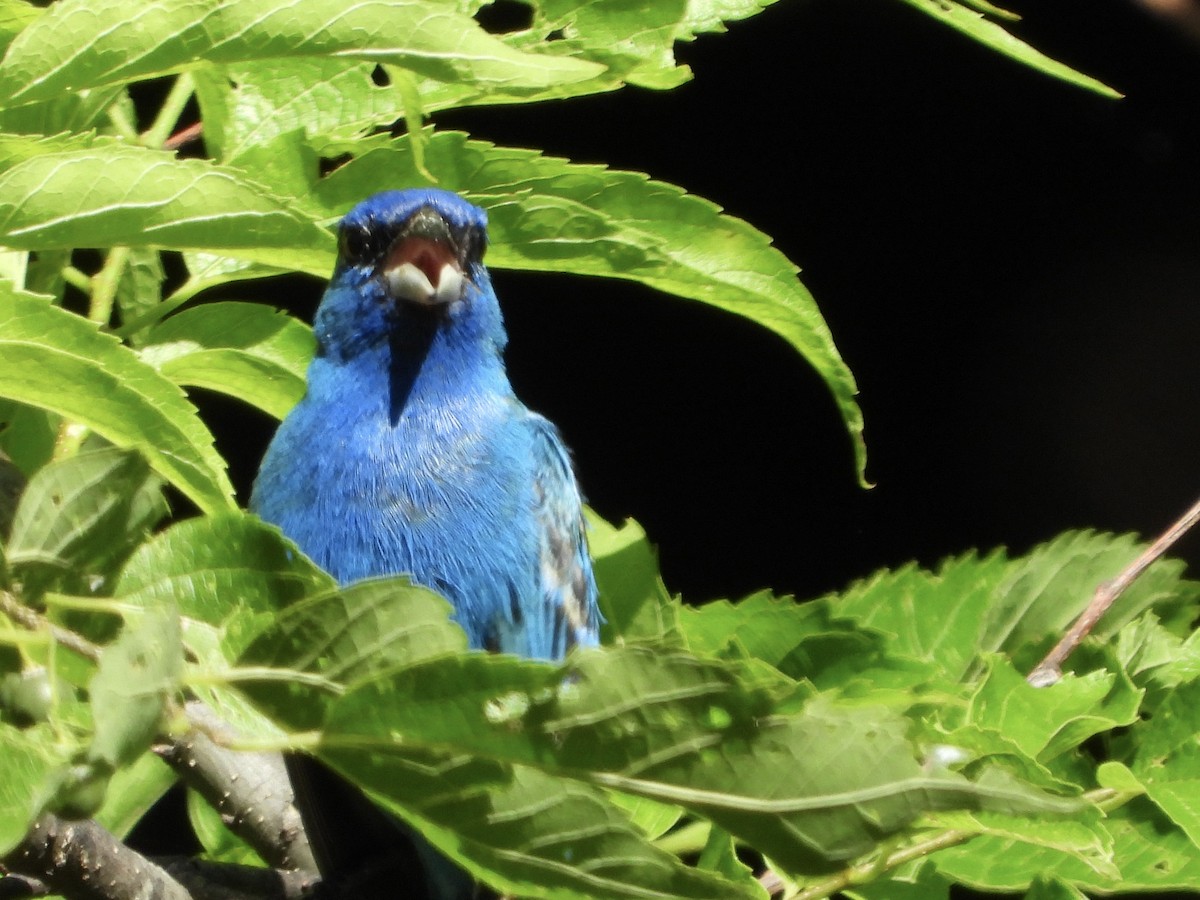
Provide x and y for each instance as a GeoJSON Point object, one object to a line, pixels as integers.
{"type": "Point", "coordinates": [410, 453]}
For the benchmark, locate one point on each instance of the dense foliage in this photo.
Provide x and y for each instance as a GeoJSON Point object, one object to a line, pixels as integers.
{"type": "Point", "coordinates": [881, 742]}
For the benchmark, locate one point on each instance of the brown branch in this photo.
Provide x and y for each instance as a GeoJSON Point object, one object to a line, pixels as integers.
{"type": "Point", "coordinates": [1049, 670]}
{"type": "Point", "coordinates": [34, 621]}
{"type": "Point", "coordinates": [224, 881]}
{"type": "Point", "coordinates": [251, 791]}
{"type": "Point", "coordinates": [83, 861]}
{"type": "Point", "coordinates": [184, 136]}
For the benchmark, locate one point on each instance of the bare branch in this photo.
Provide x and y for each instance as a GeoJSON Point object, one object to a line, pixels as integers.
{"type": "Point", "coordinates": [33, 621]}
{"type": "Point", "coordinates": [219, 881]}
{"type": "Point", "coordinates": [1049, 670]}
{"type": "Point", "coordinates": [251, 791]}
{"type": "Point", "coordinates": [83, 861]}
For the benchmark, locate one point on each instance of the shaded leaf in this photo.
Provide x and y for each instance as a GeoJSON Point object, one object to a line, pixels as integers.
{"type": "Point", "coordinates": [26, 435]}
{"type": "Point", "coordinates": [1151, 853]}
{"type": "Point", "coordinates": [132, 790]}
{"type": "Point", "coordinates": [60, 362]}
{"type": "Point", "coordinates": [523, 831]}
{"type": "Point", "coordinates": [140, 289]}
{"type": "Point", "coordinates": [1180, 800]}
{"type": "Point", "coordinates": [79, 517]}
{"type": "Point", "coordinates": [135, 676]}
{"type": "Point", "coordinates": [720, 855]}
{"type": "Point", "coordinates": [29, 759]}
{"type": "Point", "coordinates": [633, 598]}
{"type": "Point", "coordinates": [220, 844]}
{"type": "Point", "coordinates": [1047, 887]}
{"type": "Point", "coordinates": [913, 882]}
{"type": "Point", "coordinates": [231, 571]}
{"type": "Point", "coordinates": [1047, 721]}
{"type": "Point", "coordinates": [1043, 592]}
{"type": "Point", "coordinates": [829, 784]}
{"type": "Point", "coordinates": [344, 636]}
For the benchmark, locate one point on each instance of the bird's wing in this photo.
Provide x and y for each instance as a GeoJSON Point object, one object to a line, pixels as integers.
{"type": "Point", "coordinates": [565, 612]}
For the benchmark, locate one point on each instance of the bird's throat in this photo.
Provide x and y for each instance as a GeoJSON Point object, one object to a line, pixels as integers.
{"type": "Point", "coordinates": [409, 350]}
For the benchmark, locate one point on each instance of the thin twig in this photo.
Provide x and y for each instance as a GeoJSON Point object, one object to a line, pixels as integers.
{"type": "Point", "coordinates": [28, 618]}
{"type": "Point", "coordinates": [105, 284]}
{"type": "Point", "coordinates": [1049, 670]}
{"type": "Point", "coordinates": [170, 111]}
{"type": "Point", "coordinates": [859, 874]}
{"type": "Point", "coordinates": [184, 136]}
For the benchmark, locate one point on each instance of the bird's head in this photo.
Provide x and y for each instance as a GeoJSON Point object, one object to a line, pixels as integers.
{"type": "Point", "coordinates": [408, 261]}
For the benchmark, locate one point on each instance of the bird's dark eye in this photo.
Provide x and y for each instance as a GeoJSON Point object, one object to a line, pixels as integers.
{"type": "Point", "coordinates": [473, 242]}
{"type": "Point", "coordinates": [356, 244]}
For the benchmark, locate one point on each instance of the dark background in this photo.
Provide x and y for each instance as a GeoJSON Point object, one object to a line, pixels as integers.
{"type": "Point", "coordinates": [1009, 264]}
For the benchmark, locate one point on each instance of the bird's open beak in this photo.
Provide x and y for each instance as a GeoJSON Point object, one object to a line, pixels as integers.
{"type": "Point", "coordinates": [422, 265]}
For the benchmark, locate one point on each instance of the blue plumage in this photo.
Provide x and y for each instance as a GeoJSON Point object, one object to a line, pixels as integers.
{"type": "Point", "coordinates": [410, 452]}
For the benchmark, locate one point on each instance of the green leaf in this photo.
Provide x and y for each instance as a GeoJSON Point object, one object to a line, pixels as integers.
{"type": "Point", "coordinates": [550, 215]}
{"type": "Point", "coordinates": [1082, 836]}
{"type": "Point", "coordinates": [1047, 721]}
{"type": "Point", "coordinates": [633, 599]}
{"type": "Point", "coordinates": [827, 785]}
{"type": "Point", "coordinates": [633, 42]}
{"type": "Point", "coordinates": [651, 819]}
{"type": "Point", "coordinates": [61, 362]}
{"type": "Point", "coordinates": [29, 759]}
{"type": "Point", "coordinates": [232, 572]}
{"type": "Point", "coordinates": [1181, 801]}
{"type": "Point", "coordinates": [1043, 592]}
{"type": "Point", "coordinates": [79, 517]}
{"type": "Point", "coordinates": [74, 45]}
{"type": "Point", "coordinates": [98, 193]}
{"type": "Point", "coordinates": [720, 855]}
{"type": "Point", "coordinates": [344, 636]}
{"type": "Point", "coordinates": [220, 844]}
{"type": "Point", "coordinates": [1149, 851]}
{"type": "Point", "coordinates": [15, 15]}
{"type": "Point", "coordinates": [76, 112]}
{"type": "Point", "coordinates": [1155, 657]}
{"type": "Point", "coordinates": [974, 25]}
{"type": "Point", "coordinates": [1167, 760]}
{"type": "Point", "coordinates": [140, 289]}
{"type": "Point", "coordinates": [710, 16]}
{"type": "Point", "coordinates": [936, 617]}
{"type": "Point", "coordinates": [1047, 887]}
{"type": "Point", "coordinates": [912, 882]}
{"type": "Point", "coordinates": [136, 675]}
{"type": "Point", "coordinates": [245, 350]}
{"type": "Point", "coordinates": [524, 832]}
{"type": "Point", "coordinates": [26, 434]}
{"type": "Point", "coordinates": [253, 105]}
{"type": "Point", "coordinates": [132, 790]}
{"type": "Point", "coordinates": [12, 483]}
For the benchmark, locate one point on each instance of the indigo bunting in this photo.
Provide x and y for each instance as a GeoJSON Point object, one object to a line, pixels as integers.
{"type": "Point", "coordinates": [411, 454]}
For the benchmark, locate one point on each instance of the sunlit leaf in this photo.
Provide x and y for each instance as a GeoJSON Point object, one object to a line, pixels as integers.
{"type": "Point", "coordinates": [60, 362]}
